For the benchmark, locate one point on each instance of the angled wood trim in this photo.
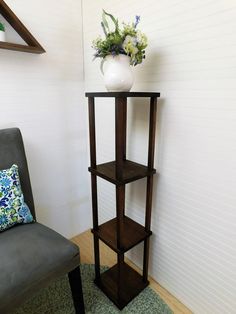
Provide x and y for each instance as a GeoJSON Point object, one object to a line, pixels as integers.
{"type": "Point", "coordinates": [33, 45]}
{"type": "Point", "coordinates": [20, 47]}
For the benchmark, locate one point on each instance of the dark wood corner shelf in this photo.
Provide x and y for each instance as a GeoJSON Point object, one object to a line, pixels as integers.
{"type": "Point", "coordinates": [133, 234]}
{"type": "Point", "coordinates": [131, 171]}
{"type": "Point", "coordinates": [33, 46]}
{"type": "Point", "coordinates": [121, 284]}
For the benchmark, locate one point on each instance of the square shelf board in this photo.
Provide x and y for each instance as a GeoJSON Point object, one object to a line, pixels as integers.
{"type": "Point", "coordinates": [133, 234]}
{"type": "Point", "coordinates": [121, 285]}
{"type": "Point", "coordinates": [132, 171]}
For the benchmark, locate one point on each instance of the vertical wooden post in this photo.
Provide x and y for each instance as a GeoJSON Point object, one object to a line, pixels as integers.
{"type": "Point", "coordinates": [93, 161]}
{"type": "Point", "coordinates": [120, 210]}
{"type": "Point", "coordinates": [120, 144]}
{"type": "Point", "coordinates": [125, 128]}
{"type": "Point", "coordinates": [151, 150]}
{"type": "Point", "coordinates": [120, 137]}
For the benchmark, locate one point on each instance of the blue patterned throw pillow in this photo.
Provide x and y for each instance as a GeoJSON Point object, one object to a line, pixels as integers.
{"type": "Point", "coordinates": [13, 209]}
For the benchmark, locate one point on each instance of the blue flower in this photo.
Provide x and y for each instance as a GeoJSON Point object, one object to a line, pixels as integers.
{"type": "Point", "coordinates": [137, 20]}
{"type": "Point", "coordinates": [24, 212]}
{"type": "Point", "coordinates": [5, 181]}
{"type": "Point", "coordinates": [3, 219]}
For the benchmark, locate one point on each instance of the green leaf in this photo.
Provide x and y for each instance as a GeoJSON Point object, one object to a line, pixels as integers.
{"type": "Point", "coordinates": [104, 29]}
{"type": "Point", "coordinates": [104, 20]}
{"type": "Point", "coordinates": [115, 21]}
{"type": "Point", "coordinates": [2, 28]}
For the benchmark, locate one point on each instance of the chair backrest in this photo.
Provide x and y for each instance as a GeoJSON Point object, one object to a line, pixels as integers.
{"type": "Point", "coordinates": [12, 152]}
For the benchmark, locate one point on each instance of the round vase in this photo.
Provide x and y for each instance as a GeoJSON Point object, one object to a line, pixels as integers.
{"type": "Point", "coordinates": [2, 36]}
{"type": "Point", "coordinates": [118, 75]}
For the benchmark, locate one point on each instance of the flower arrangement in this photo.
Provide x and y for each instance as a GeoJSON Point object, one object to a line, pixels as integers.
{"type": "Point", "coordinates": [127, 40]}
{"type": "Point", "coordinates": [2, 27]}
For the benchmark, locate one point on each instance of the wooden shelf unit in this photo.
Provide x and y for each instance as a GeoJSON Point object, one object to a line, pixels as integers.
{"type": "Point", "coordinates": [121, 283]}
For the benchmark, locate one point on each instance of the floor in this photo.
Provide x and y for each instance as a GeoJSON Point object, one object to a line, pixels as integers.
{"type": "Point", "coordinates": [108, 257]}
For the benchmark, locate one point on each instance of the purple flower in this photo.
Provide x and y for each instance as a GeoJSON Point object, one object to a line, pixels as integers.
{"type": "Point", "coordinates": [137, 20]}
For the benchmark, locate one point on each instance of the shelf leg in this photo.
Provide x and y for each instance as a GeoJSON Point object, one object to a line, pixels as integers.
{"type": "Point", "coordinates": [151, 150]}
{"type": "Point", "coordinates": [95, 227]}
{"type": "Point", "coordinates": [92, 132]}
{"type": "Point", "coordinates": [92, 135]}
{"type": "Point", "coordinates": [120, 144]}
{"type": "Point", "coordinates": [120, 141]}
{"type": "Point", "coordinates": [146, 260]}
{"type": "Point", "coordinates": [120, 137]}
{"type": "Point", "coordinates": [120, 210]}
{"type": "Point", "coordinates": [152, 132]}
{"type": "Point", "coordinates": [96, 258]}
{"type": "Point", "coordinates": [120, 261]}
{"type": "Point", "coordinates": [125, 129]}
{"type": "Point", "coordinates": [147, 227]}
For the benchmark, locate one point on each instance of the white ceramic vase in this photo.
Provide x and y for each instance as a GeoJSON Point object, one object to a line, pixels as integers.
{"type": "Point", "coordinates": [2, 36]}
{"type": "Point", "coordinates": [118, 75]}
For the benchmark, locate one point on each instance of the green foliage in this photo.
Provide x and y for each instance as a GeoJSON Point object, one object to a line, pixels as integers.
{"type": "Point", "coordinates": [2, 27]}
{"type": "Point", "coordinates": [128, 40]}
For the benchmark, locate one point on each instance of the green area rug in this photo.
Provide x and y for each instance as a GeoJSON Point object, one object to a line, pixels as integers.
{"type": "Point", "coordinates": [56, 299]}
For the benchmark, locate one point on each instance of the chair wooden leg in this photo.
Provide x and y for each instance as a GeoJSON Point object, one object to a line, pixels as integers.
{"type": "Point", "coordinates": [76, 290]}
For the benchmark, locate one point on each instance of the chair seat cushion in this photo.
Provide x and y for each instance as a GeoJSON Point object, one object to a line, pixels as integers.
{"type": "Point", "coordinates": [30, 256]}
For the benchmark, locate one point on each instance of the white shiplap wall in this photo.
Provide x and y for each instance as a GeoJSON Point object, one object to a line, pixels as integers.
{"type": "Point", "coordinates": [191, 60]}
{"type": "Point", "coordinates": [44, 96]}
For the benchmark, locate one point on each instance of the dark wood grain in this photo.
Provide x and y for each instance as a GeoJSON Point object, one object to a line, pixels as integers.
{"type": "Point", "coordinates": [133, 234]}
{"type": "Point", "coordinates": [123, 94]}
{"type": "Point", "coordinates": [131, 171]}
{"type": "Point", "coordinates": [33, 45]}
{"type": "Point", "coordinates": [131, 284]}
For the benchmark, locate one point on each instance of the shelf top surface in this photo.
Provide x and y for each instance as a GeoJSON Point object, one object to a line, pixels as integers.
{"type": "Point", "coordinates": [122, 94]}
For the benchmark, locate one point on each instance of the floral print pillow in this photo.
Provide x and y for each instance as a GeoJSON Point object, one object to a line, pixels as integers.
{"type": "Point", "coordinates": [13, 209]}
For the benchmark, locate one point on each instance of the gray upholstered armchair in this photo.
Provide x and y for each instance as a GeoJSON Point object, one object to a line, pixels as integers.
{"type": "Point", "coordinates": [32, 255]}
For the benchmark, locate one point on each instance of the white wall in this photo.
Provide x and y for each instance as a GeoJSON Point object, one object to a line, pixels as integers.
{"type": "Point", "coordinates": [43, 96]}
{"type": "Point", "coordinates": [191, 60]}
